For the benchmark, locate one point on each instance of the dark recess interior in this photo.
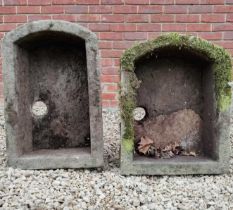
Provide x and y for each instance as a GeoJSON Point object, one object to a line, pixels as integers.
{"type": "Point", "coordinates": [174, 79]}
{"type": "Point", "coordinates": [52, 69]}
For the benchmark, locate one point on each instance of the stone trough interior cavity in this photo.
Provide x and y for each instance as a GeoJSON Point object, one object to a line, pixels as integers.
{"type": "Point", "coordinates": [177, 93]}
{"type": "Point", "coordinates": [53, 87]}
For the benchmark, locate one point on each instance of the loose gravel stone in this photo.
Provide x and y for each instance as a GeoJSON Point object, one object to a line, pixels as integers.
{"type": "Point", "coordinates": [93, 190]}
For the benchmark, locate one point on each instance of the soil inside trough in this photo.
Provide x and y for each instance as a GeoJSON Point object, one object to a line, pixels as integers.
{"type": "Point", "coordinates": [169, 135]}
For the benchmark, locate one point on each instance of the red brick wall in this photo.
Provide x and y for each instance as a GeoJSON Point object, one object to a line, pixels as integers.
{"type": "Point", "coordinates": [120, 23]}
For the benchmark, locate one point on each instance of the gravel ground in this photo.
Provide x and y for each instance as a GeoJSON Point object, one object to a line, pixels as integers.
{"type": "Point", "coordinates": [92, 189]}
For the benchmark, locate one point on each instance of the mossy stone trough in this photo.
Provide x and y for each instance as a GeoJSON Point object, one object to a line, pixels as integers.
{"type": "Point", "coordinates": [207, 92]}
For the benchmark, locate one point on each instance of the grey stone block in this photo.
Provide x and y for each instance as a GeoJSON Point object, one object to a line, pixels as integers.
{"type": "Point", "coordinates": [54, 63]}
{"type": "Point", "coordinates": [198, 74]}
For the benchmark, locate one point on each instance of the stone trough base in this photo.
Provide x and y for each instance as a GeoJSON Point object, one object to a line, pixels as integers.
{"type": "Point", "coordinates": [53, 159]}
{"type": "Point", "coordinates": [175, 166]}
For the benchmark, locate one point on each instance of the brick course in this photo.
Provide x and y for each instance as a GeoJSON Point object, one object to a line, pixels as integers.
{"type": "Point", "coordinates": [120, 23]}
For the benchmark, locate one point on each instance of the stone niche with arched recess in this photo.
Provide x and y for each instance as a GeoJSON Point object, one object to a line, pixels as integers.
{"type": "Point", "coordinates": [52, 96]}
{"type": "Point", "coordinates": [175, 107]}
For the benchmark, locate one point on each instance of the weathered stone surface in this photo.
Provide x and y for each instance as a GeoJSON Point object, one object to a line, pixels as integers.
{"type": "Point", "coordinates": [176, 72]}
{"type": "Point", "coordinates": [174, 83]}
{"type": "Point", "coordinates": [54, 62]}
{"type": "Point", "coordinates": [58, 77]}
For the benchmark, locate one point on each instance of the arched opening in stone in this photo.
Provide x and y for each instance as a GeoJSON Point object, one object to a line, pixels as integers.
{"type": "Point", "coordinates": [176, 90]}
{"type": "Point", "coordinates": [56, 74]}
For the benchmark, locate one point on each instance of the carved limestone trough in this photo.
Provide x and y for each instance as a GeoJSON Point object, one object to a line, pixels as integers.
{"type": "Point", "coordinates": [52, 96]}
{"type": "Point", "coordinates": [175, 107]}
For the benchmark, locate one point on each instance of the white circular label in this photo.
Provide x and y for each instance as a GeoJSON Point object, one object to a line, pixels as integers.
{"type": "Point", "coordinates": [139, 113]}
{"type": "Point", "coordinates": [39, 109]}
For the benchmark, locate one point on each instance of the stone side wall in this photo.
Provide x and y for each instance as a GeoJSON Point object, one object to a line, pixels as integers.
{"type": "Point", "coordinates": [120, 23]}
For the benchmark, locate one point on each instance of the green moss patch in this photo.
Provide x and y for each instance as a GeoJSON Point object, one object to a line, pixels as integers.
{"type": "Point", "coordinates": [217, 56]}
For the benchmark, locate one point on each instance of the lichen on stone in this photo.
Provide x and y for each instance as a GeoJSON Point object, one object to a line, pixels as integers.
{"type": "Point", "coordinates": [218, 57]}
